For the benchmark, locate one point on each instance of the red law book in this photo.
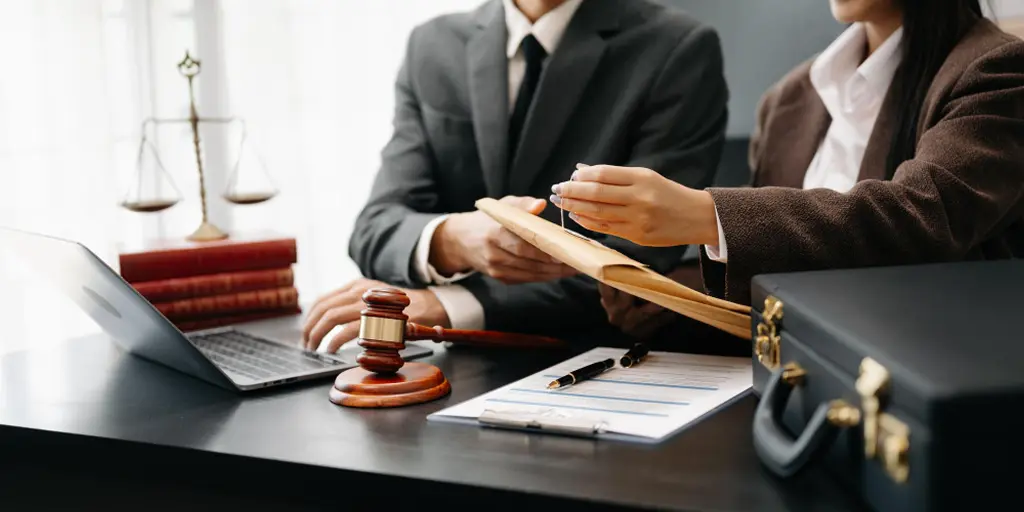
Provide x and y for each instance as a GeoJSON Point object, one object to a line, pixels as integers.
{"type": "Point", "coordinates": [229, 304]}
{"type": "Point", "coordinates": [167, 290]}
{"type": "Point", "coordinates": [157, 260]}
{"type": "Point", "coordinates": [220, 321]}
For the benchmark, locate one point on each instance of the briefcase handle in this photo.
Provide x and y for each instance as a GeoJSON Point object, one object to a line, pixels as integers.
{"type": "Point", "coordinates": [778, 451]}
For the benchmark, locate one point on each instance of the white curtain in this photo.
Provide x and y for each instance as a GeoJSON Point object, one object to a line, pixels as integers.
{"type": "Point", "coordinates": [316, 81]}
{"type": "Point", "coordinates": [312, 79]}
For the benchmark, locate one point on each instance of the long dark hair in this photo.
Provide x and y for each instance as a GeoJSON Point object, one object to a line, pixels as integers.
{"type": "Point", "coordinates": [931, 28]}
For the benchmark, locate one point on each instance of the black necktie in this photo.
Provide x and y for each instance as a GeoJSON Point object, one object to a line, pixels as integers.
{"type": "Point", "coordinates": [535, 55]}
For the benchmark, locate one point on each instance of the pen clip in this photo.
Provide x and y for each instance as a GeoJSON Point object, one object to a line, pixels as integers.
{"type": "Point", "coordinates": [538, 421]}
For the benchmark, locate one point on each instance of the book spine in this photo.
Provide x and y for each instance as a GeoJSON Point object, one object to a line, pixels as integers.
{"type": "Point", "coordinates": [214, 259]}
{"type": "Point", "coordinates": [220, 321]}
{"type": "Point", "coordinates": [233, 303]}
{"type": "Point", "coordinates": [168, 290]}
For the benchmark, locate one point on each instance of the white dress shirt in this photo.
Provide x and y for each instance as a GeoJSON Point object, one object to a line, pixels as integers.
{"type": "Point", "coordinates": [852, 92]}
{"type": "Point", "coordinates": [463, 309]}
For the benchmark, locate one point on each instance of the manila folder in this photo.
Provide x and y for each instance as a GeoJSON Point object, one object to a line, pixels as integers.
{"type": "Point", "coordinates": [618, 270]}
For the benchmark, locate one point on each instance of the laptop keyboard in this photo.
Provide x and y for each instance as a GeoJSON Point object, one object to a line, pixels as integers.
{"type": "Point", "coordinates": [256, 358]}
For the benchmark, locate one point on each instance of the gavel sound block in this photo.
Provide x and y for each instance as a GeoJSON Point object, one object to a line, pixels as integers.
{"type": "Point", "coordinates": [383, 378]}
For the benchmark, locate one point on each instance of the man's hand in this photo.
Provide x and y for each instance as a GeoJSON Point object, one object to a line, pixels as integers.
{"type": "Point", "coordinates": [635, 317]}
{"type": "Point", "coordinates": [639, 318]}
{"type": "Point", "coordinates": [342, 306]}
{"type": "Point", "coordinates": [475, 241]}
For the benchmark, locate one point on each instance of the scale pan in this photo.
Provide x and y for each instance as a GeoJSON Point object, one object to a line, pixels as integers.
{"type": "Point", "coordinates": [149, 206]}
{"type": "Point", "coordinates": [152, 188]}
{"type": "Point", "coordinates": [249, 181]}
{"type": "Point", "coordinates": [248, 198]}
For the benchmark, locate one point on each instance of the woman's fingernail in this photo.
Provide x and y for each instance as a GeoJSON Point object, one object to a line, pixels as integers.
{"type": "Point", "coordinates": [557, 189]}
{"type": "Point", "coordinates": [573, 177]}
{"type": "Point", "coordinates": [580, 166]}
{"type": "Point", "coordinates": [574, 217]}
{"type": "Point", "coordinates": [555, 200]}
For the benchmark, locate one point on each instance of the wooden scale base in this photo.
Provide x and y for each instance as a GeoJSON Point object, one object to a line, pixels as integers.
{"type": "Point", "coordinates": [383, 378]}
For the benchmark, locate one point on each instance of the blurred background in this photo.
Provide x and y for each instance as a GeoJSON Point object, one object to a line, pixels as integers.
{"type": "Point", "coordinates": [313, 79]}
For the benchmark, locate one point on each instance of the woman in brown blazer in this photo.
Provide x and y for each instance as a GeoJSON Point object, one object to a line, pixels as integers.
{"type": "Point", "coordinates": [902, 143]}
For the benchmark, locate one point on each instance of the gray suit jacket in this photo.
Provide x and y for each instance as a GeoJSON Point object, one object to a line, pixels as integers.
{"type": "Point", "coordinates": [632, 83]}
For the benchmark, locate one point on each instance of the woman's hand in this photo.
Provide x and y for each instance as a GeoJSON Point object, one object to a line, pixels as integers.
{"type": "Point", "coordinates": [639, 205]}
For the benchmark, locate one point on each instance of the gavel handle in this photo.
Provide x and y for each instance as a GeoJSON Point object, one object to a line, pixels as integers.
{"type": "Point", "coordinates": [414, 332]}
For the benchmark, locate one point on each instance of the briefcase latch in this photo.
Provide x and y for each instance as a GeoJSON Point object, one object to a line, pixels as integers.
{"type": "Point", "coordinates": [766, 345]}
{"type": "Point", "coordinates": [885, 437]}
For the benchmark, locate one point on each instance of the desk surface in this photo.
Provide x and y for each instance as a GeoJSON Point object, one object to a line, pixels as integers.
{"type": "Point", "coordinates": [87, 401]}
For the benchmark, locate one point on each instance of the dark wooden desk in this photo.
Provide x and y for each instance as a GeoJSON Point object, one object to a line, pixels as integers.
{"type": "Point", "coordinates": [86, 425]}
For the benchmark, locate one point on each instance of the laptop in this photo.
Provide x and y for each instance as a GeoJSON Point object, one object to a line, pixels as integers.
{"type": "Point", "coordinates": [229, 357]}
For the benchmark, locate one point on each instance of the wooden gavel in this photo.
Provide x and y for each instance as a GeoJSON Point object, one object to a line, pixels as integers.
{"type": "Point", "coordinates": [383, 378]}
{"type": "Point", "coordinates": [384, 329]}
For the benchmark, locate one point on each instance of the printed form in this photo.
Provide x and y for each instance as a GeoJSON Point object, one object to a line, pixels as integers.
{"type": "Point", "coordinates": [664, 393]}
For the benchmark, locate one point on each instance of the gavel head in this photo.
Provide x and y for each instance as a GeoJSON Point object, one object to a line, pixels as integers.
{"type": "Point", "coordinates": [382, 330]}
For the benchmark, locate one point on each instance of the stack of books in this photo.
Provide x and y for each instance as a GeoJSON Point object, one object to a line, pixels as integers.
{"type": "Point", "coordinates": [200, 285]}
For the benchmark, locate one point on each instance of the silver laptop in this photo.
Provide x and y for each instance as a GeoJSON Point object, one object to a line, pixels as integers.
{"type": "Point", "coordinates": [229, 357]}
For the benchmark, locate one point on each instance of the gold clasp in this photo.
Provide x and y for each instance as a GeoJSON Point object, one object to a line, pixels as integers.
{"type": "Point", "coordinates": [882, 431]}
{"type": "Point", "coordinates": [793, 374]}
{"type": "Point", "coordinates": [895, 436]}
{"type": "Point", "coordinates": [842, 414]}
{"type": "Point", "coordinates": [766, 345]}
{"type": "Point", "coordinates": [873, 380]}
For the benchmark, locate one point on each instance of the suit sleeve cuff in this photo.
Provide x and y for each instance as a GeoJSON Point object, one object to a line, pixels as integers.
{"type": "Point", "coordinates": [463, 309]}
{"type": "Point", "coordinates": [718, 252]}
{"type": "Point", "coordinates": [421, 260]}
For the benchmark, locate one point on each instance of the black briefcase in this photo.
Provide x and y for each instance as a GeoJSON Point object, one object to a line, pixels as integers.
{"type": "Point", "coordinates": [905, 383]}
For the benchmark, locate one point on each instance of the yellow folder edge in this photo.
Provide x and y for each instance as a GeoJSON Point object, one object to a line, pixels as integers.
{"type": "Point", "coordinates": [618, 270]}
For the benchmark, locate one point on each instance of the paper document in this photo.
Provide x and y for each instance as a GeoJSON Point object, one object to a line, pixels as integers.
{"type": "Point", "coordinates": [619, 271]}
{"type": "Point", "coordinates": [663, 394]}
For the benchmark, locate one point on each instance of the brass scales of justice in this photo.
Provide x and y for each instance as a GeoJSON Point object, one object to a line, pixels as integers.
{"type": "Point", "coordinates": [135, 201]}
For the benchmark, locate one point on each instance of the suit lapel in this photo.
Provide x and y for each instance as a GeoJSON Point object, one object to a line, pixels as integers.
{"type": "Point", "coordinates": [566, 74]}
{"type": "Point", "coordinates": [800, 125]}
{"type": "Point", "coordinates": [876, 153]}
{"type": "Point", "coordinates": [797, 128]}
{"type": "Point", "coordinates": [488, 93]}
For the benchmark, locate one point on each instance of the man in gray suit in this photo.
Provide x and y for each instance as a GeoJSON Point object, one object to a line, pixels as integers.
{"type": "Point", "coordinates": [503, 102]}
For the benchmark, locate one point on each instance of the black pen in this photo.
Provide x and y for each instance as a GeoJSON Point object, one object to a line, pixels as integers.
{"type": "Point", "coordinates": [634, 355]}
{"type": "Point", "coordinates": [587, 372]}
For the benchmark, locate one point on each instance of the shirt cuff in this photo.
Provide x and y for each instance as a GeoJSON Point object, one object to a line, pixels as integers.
{"type": "Point", "coordinates": [421, 259]}
{"type": "Point", "coordinates": [463, 309]}
{"type": "Point", "coordinates": [718, 252]}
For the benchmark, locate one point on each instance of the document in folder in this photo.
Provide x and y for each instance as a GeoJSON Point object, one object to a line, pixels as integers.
{"type": "Point", "coordinates": [618, 270]}
{"type": "Point", "coordinates": [648, 402]}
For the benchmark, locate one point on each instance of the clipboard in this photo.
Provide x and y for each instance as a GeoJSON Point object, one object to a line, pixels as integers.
{"type": "Point", "coordinates": [571, 428]}
{"type": "Point", "coordinates": [636, 405]}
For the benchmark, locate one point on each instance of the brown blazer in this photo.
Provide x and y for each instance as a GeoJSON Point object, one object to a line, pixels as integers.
{"type": "Point", "coordinates": [960, 198]}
